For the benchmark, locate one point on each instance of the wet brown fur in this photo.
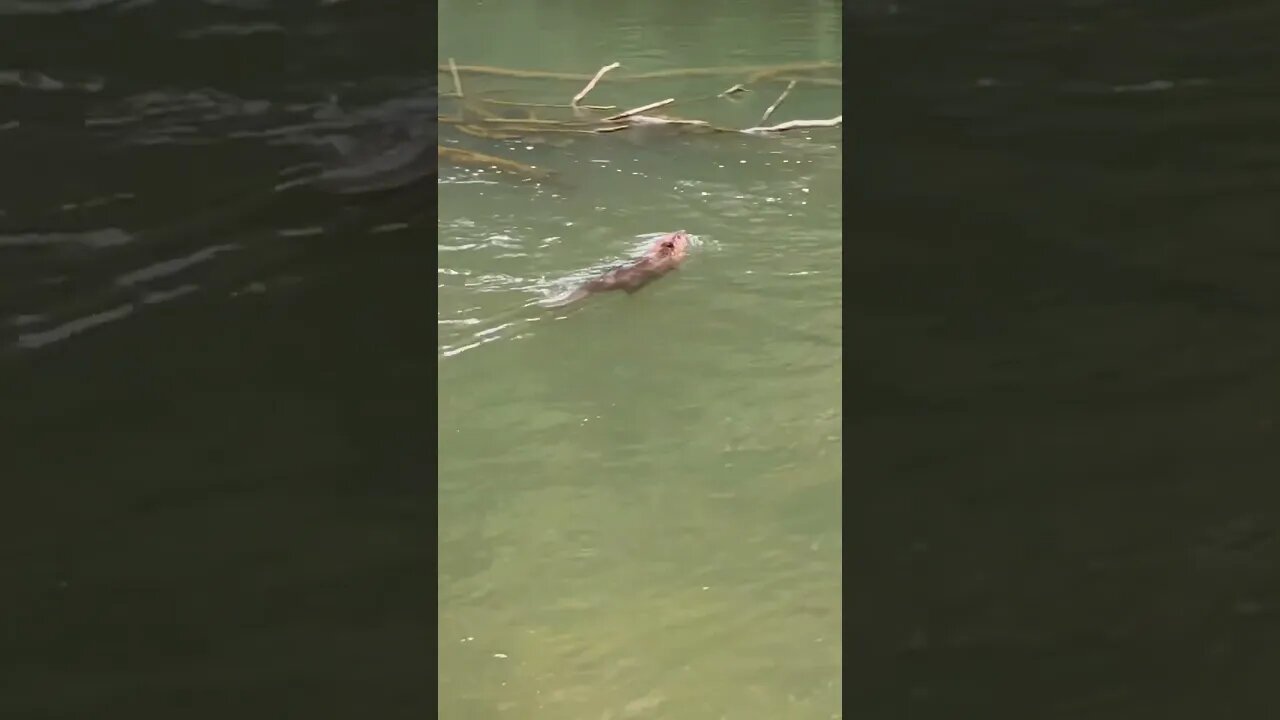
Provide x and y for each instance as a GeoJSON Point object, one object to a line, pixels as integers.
{"type": "Point", "coordinates": [665, 255]}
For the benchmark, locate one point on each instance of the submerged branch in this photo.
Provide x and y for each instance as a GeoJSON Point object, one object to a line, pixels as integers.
{"type": "Point", "coordinates": [797, 124]}
{"type": "Point", "coordinates": [548, 105]}
{"type": "Point", "coordinates": [458, 156]}
{"type": "Point", "coordinates": [642, 108]}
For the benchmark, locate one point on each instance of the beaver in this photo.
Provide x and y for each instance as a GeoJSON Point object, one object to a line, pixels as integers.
{"type": "Point", "coordinates": [664, 255]}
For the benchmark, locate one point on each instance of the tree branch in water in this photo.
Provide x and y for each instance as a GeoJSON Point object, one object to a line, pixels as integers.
{"type": "Point", "coordinates": [468, 157]}
{"type": "Point", "coordinates": [457, 81]}
{"type": "Point", "coordinates": [484, 119]}
{"type": "Point", "coordinates": [777, 102]}
{"type": "Point", "coordinates": [599, 74]}
{"type": "Point", "coordinates": [796, 125]}
{"type": "Point", "coordinates": [642, 108]}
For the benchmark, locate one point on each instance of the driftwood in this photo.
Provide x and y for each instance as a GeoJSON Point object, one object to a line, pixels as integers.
{"type": "Point", "coordinates": [457, 81]}
{"type": "Point", "coordinates": [479, 117]}
{"type": "Point", "coordinates": [777, 102]}
{"type": "Point", "coordinates": [599, 74]}
{"type": "Point", "coordinates": [641, 109]}
{"type": "Point", "coordinates": [797, 124]}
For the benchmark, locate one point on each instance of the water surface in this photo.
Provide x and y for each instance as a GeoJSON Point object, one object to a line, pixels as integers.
{"type": "Point", "coordinates": [215, 374]}
{"type": "Point", "coordinates": [640, 496]}
{"type": "Point", "coordinates": [1064, 304]}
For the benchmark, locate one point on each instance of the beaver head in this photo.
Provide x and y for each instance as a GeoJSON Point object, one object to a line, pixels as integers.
{"type": "Point", "coordinates": [674, 246]}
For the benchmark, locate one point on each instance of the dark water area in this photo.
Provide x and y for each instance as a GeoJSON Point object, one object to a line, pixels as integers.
{"type": "Point", "coordinates": [217, 421]}
{"type": "Point", "coordinates": [1061, 352]}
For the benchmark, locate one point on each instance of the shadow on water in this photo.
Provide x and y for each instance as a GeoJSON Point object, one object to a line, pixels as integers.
{"type": "Point", "coordinates": [1064, 295]}
{"type": "Point", "coordinates": [216, 368]}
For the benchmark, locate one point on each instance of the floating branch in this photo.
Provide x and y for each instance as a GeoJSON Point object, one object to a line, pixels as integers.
{"type": "Point", "coordinates": [642, 108]}
{"type": "Point", "coordinates": [777, 102]}
{"type": "Point", "coordinates": [797, 124]}
{"type": "Point", "coordinates": [599, 74]}
{"type": "Point", "coordinates": [457, 81]}
{"type": "Point", "coordinates": [483, 118]}
{"type": "Point", "coordinates": [641, 120]}
{"type": "Point", "coordinates": [655, 120]}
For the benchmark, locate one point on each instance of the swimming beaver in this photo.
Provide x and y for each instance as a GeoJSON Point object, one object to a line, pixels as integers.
{"type": "Point", "coordinates": [664, 255]}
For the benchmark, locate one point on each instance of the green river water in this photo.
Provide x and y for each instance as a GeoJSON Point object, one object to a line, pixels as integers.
{"type": "Point", "coordinates": [639, 497]}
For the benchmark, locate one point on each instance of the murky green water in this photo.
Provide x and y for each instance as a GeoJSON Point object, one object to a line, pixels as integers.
{"type": "Point", "coordinates": [640, 496]}
{"type": "Point", "coordinates": [1062, 304]}
{"type": "Point", "coordinates": [216, 380]}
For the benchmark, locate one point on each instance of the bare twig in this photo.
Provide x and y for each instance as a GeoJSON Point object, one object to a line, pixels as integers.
{"type": "Point", "coordinates": [477, 117]}
{"type": "Point", "coordinates": [638, 121]}
{"type": "Point", "coordinates": [796, 124]}
{"type": "Point", "coordinates": [642, 108]}
{"type": "Point", "coordinates": [700, 125]}
{"type": "Point", "coordinates": [457, 81]}
{"type": "Point", "coordinates": [599, 74]}
{"type": "Point", "coordinates": [777, 102]}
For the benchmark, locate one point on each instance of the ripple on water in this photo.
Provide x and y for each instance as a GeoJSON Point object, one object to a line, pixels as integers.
{"type": "Point", "coordinates": [60, 7]}
{"type": "Point", "coordinates": [100, 238]}
{"type": "Point", "coordinates": [770, 240]}
{"type": "Point", "coordinates": [41, 82]}
{"type": "Point", "coordinates": [113, 258]}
